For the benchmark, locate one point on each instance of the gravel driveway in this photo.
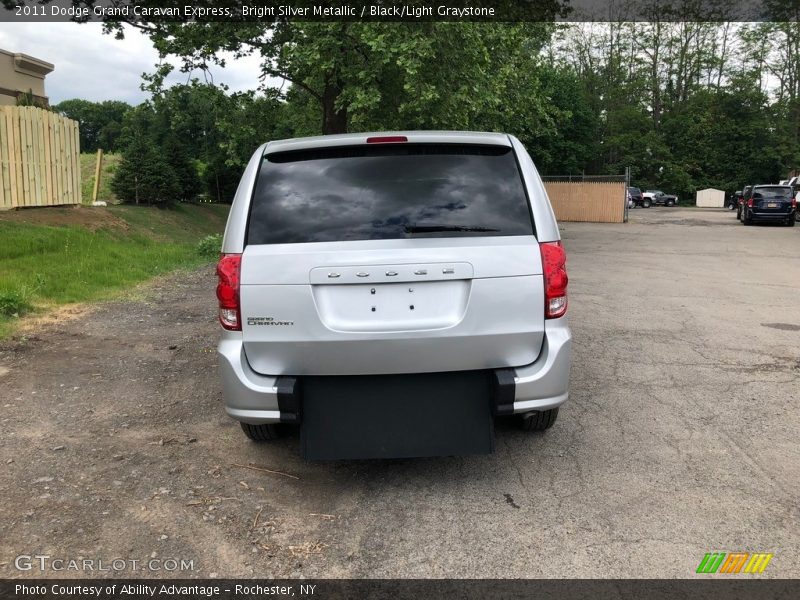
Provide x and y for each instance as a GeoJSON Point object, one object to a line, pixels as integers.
{"type": "Point", "coordinates": [680, 437]}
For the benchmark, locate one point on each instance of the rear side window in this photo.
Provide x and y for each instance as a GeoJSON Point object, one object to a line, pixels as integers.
{"type": "Point", "coordinates": [388, 192]}
{"type": "Point", "coordinates": [634, 190]}
{"type": "Point", "coordinates": [773, 193]}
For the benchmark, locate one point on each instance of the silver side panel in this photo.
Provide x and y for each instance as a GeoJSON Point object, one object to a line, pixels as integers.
{"type": "Point", "coordinates": [543, 217]}
{"type": "Point", "coordinates": [545, 384]}
{"type": "Point", "coordinates": [233, 242]}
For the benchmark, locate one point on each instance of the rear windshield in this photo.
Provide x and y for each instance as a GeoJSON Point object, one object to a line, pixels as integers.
{"type": "Point", "coordinates": [634, 190]}
{"type": "Point", "coordinates": [773, 193]}
{"type": "Point", "coordinates": [388, 192]}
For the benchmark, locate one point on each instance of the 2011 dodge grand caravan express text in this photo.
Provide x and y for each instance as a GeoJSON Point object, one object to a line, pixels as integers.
{"type": "Point", "coordinates": [392, 293]}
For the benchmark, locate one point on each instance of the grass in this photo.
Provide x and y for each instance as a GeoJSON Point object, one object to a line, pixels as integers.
{"type": "Point", "coordinates": [43, 266]}
{"type": "Point", "coordinates": [184, 223]}
{"type": "Point", "coordinates": [88, 163]}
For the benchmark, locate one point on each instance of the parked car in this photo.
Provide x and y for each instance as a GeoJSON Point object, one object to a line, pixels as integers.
{"type": "Point", "coordinates": [770, 203]}
{"type": "Point", "coordinates": [794, 183]}
{"type": "Point", "coordinates": [733, 200]}
{"type": "Point", "coordinates": [358, 265]}
{"type": "Point", "coordinates": [659, 197]}
{"type": "Point", "coordinates": [746, 191]}
{"type": "Point", "coordinates": [636, 197]}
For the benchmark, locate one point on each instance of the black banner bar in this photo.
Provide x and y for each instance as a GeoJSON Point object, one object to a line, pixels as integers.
{"type": "Point", "coordinates": [722, 587]}
{"type": "Point", "coordinates": [408, 11]}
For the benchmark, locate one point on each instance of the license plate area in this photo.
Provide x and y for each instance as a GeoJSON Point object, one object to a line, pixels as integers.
{"type": "Point", "coordinates": [397, 416]}
{"type": "Point", "coordinates": [389, 307]}
{"type": "Point", "coordinates": [773, 205]}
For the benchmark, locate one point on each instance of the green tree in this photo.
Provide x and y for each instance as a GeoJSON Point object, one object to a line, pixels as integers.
{"type": "Point", "coordinates": [570, 142]}
{"type": "Point", "coordinates": [144, 175]}
{"type": "Point", "coordinates": [357, 74]}
{"type": "Point", "coordinates": [208, 135]}
{"type": "Point", "coordinates": [100, 122]}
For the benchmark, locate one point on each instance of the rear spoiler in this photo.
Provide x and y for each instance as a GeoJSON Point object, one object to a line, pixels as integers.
{"type": "Point", "coordinates": [412, 137]}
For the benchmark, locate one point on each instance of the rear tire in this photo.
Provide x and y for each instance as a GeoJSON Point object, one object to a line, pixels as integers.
{"type": "Point", "coordinates": [261, 433]}
{"type": "Point", "coordinates": [670, 203]}
{"type": "Point", "coordinates": [746, 220]}
{"type": "Point", "coordinates": [645, 203]}
{"type": "Point", "coordinates": [791, 222]}
{"type": "Point", "coordinates": [539, 421]}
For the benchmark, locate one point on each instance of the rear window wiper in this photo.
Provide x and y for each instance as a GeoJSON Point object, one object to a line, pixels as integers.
{"type": "Point", "coordinates": [437, 228]}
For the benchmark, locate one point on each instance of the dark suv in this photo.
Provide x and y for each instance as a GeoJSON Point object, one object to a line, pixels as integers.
{"type": "Point", "coordinates": [774, 203]}
{"type": "Point", "coordinates": [635, 196]}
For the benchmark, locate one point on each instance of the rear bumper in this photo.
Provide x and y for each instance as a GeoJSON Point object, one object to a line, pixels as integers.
{"type": "Point", "coordinates": [544, 384]}
{"type": "Point", "coordinates": [254, 398]}
{"type": "Point", "coordinates": [770, 216]}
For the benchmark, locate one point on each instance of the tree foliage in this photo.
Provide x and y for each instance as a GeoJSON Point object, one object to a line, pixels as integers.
{"type": "Point", "coordinates": [682, 103]}
{"type": "Point", "coordinates": [394, 75]}
{"type": "Point", "coordinates": [144, 176]}
{"type": "Point", "coordinates": [100, 122]}
{"type": "Point", "coordinates": [201, 136]}
{"type": "Point", "coordinates": [689, 105]}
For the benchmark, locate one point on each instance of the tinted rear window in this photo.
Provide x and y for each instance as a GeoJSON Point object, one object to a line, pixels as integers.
{"type": "Point", "coordinates": [634, 190]}
{"type": "Point", "coordinates": [773, 193]}
{"type": "Point", "coordinates": [388, 192]}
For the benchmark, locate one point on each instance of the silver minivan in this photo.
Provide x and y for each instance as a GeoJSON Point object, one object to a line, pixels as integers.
{"type": "Point", "coordinates": [394, 267]}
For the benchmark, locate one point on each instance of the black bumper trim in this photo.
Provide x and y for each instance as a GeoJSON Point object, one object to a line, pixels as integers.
{"type": "Point", "coordinates": [503, 391]}
{"type": "Point", "coordinates": [289, 399]}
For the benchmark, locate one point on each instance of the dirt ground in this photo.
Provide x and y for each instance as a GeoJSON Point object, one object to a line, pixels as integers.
{"type": "Point", "coordinates": [680, 436]}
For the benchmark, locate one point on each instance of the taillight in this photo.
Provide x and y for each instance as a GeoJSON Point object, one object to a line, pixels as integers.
{"type": "Point", "coordinates": [794, 202]}
{"type": "Point", "coordinates": [554, 270]}
{"type": "Point", "coordinates": [750, 203]}
{"type": "Point", "coordinates": [228, 269]}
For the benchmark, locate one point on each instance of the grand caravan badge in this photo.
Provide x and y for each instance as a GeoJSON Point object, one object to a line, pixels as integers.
{"type": "Point", "coordinates": [267, 321]}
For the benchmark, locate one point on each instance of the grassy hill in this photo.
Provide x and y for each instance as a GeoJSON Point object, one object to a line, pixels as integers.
{"type": "Point", "coordinates": [88, 162]}
{"type": "Point", "coordinates": [54, 256]}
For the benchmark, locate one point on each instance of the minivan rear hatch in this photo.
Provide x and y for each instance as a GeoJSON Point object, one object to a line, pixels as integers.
{"type": "Point", "coordinates": [391, 258]}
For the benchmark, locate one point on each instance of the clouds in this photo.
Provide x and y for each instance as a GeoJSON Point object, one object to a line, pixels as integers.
{"type": "Point", "coordinates": [95, 66]}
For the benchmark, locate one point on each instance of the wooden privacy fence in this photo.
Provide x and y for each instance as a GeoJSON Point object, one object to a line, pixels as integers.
{"type": "Point", "coordinates": [39, 158]}
{"type": "Point", "coordinates": [592, 201]}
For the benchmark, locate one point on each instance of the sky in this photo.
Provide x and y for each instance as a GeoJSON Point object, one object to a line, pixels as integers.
{"type": "Point", "coordinates": [94, 66]}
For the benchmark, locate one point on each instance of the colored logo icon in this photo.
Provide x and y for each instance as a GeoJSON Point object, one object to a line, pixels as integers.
{"type": "Point", "coordinates": [734, 562]}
